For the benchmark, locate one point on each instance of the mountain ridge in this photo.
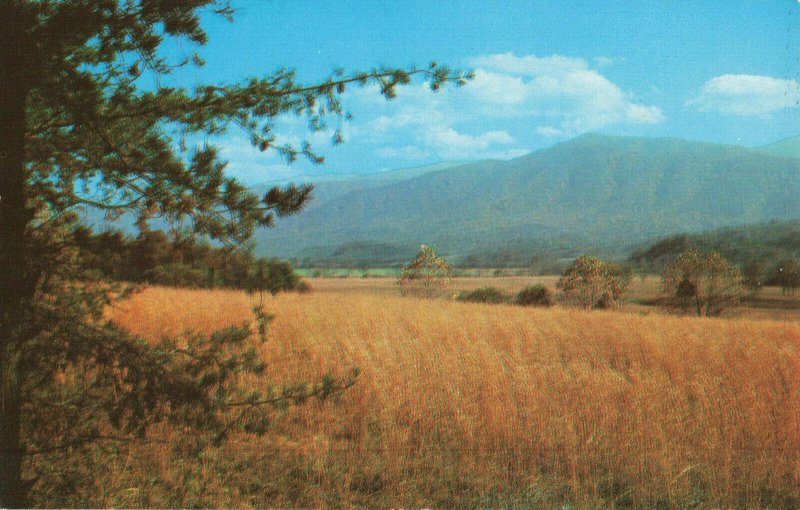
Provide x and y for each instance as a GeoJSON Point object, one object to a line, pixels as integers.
{"type": "Point", "coordinates": [618, 190]}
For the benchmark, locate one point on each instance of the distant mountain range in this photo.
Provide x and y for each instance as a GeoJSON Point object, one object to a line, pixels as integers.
{"type": "Point", "coordinates": [597, 192]}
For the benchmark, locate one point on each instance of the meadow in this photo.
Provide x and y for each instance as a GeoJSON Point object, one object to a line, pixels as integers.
{"type": "Point", "coordinates": [467, 405]}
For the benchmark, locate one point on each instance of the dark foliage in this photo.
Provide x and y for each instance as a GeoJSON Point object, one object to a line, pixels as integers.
{"type": "Point", "coordinates": [786, 275]}
{"type": "Point", "coordinates": [534, 295]}
{"type": "Point", "coordinates": [183, 262]}
{"type": "Point", "coordinates": [484, 295]}
{"type": "Point", "coordinates": [762, 244]}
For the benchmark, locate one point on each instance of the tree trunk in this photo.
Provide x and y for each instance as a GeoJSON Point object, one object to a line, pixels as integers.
{"type": "Point", "coordinates": [17, 280]}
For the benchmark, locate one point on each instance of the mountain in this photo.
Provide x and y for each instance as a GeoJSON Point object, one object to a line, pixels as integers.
{"type": "Point", "coordinates": [787, 148]}
{"type": "Point", "coordinates": [610, 193]}
{"type": "Point", "coordinates": [327, 187]}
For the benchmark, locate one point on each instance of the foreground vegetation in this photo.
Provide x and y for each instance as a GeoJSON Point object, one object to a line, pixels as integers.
{"type": "Point", "coordinates": [461, 405]}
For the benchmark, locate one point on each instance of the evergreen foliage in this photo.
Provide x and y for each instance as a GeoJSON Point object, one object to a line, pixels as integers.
{"type": "Point", "coordinates": [81, 124]}
{"type": "Point", "coordinates": [184, 262]}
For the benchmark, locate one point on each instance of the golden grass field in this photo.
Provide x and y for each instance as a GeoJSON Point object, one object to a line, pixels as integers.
{"type": "Point", "coordinates": [467, 405]}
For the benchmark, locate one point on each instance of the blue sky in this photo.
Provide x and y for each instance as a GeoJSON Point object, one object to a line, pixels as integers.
{"type": "Point", "coordinates": [546, 71]}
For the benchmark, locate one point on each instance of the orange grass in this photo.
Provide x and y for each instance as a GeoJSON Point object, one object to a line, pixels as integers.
{"type": "Point", "coordinates": [489, 405]}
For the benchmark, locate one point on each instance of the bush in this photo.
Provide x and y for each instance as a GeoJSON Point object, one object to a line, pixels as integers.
{"type": "Point", "coordinates": [303, 287]}
{"type": "Point", "coordinates": [534, 295]}
{"type": "Point", "coordinates": [272, 276]}
{"type": "Point", "coordinates": [484, 295]}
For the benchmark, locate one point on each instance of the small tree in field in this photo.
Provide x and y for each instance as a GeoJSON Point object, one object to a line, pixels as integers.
{"type": "Point", "coordinates": [595, 283]}
{"type": "Point", "coordinates": [704, 282]}
{"type": "Point", "coordinates": [619, 279]}
{"type": "Point", "coordinates": [786, 275]}
{"type": "Point", "coordinates": [754, 277]}
{"type": "Point", "coordinates": [426, 275]}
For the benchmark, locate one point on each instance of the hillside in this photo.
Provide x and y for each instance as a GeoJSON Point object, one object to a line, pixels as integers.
{"type": "Point", "coordinates": [765, 242]}
{"type": "Point", "coordinates": [610, 193]}
{"type": "Point", "coordinates": [787, 148]}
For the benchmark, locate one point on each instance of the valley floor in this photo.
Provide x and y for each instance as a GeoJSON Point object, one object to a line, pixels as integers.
{"type": "Point", "coordinates": [466, 405]}
{"type": "Point", "coordinates": [643, 297]}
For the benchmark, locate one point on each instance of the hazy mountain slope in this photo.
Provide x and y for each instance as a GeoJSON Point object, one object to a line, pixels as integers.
{"type": "Point", "coordinates": [333, 186]}
{"type": "Point", "coordinates": [326, 187]}
{"type": "Point", "coordinates": [598, 188]}
{"type": "Point", "coordinates": [788, 148]}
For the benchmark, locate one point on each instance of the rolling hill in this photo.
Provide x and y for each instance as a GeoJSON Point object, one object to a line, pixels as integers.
{"type": "Point", "coordinates": [609, 193]}
{"type": "Point", "coordinates": [766, 243]}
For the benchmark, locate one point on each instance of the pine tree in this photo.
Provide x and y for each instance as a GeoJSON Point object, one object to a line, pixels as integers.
{"type": "Point", "coordinates": [78, 128]}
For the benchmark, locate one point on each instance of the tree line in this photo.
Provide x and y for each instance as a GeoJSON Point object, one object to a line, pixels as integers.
{"type": "Point", "coordinates": [704, 283]}
{"type": "Point", "coordinates": [183, 261]}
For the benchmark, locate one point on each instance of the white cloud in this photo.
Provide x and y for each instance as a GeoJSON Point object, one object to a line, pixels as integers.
{"type": "Point", "coordinates": [510, 99]}
{"type": "Point", "coordinates": [497, 89]}
{"type": "Point", "coordinates": [529, 65]}
{"type": "Point", "coordinates": [607, 61]}
{"type": "Point", "coordinates": [431, 122]}
{"type": "Point", "coordinates": [253, 166]}
{"type": "Point", "coordinates": [745, 94]}
{"type": "Point", "coordinates": [549, 131]}
{"type": "Point", "coordinates": [250, 165]}
{"type": "Point", "coordinates": [564, 92]}
{"type": "Point", "coordinates": [404, 152]}
{"type": "Point", "coordinates": [453, 145]}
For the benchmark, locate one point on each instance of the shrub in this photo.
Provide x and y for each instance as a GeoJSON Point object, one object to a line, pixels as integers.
{"type": "Point", "coordinates": [273, 276]}
{"type": "Point", "coordinates": [484, 295]}
{"type": "Point", "coordinates": [534, 295]}
{"type": "Point", "coordinates": [303, 287]}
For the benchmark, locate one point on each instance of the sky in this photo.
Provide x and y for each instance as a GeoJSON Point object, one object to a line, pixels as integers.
{"type": "Point", "coordinates": [545, 72]}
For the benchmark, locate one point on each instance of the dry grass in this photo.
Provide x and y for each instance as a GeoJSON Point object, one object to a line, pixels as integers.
{"type": "Point", "coordinates": [490, 405]}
